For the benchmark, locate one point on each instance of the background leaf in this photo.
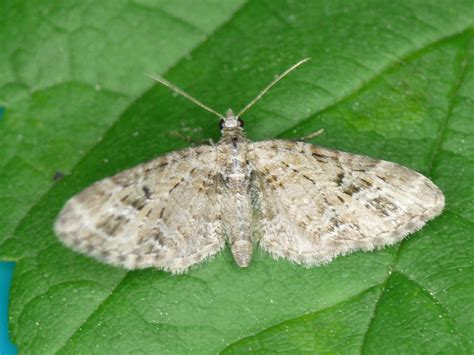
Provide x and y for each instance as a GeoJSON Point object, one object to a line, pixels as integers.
{"type": "Point", "coordinates": [390, 80]}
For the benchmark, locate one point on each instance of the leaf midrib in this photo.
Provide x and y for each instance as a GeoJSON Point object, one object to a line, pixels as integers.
{"type": "Point", "coordinates": [437, 144]}
{"type": "Point", "coordinates": [354, 91]}
{"type": "Point", "coordinates": [134, 99]}
{"type": "Point", "coordinates": [392, 270]}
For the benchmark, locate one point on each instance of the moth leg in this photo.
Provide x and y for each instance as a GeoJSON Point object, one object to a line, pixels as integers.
{"type": "Point", "coordinates": [310, 136]}
{"type": "Point", "coordinates": [193, 141]}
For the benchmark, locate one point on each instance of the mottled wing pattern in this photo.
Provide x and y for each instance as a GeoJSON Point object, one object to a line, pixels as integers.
{"type": "Point", "coordinates": [158, 214]}
{"type": "Point", "coordinates": [313, 204]}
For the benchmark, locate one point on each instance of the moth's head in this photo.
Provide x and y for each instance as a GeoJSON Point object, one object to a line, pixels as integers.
{"type": "Point", "coordinates": [231, 121]}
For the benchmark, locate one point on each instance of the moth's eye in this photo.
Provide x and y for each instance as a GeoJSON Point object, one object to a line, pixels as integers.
{"type": "Point", "coordinates": [241, 123]}
{"type": "Point", "coordinates": [221, 124]}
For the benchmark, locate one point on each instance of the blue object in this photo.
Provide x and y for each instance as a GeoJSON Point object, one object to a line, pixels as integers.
{"type": "Point", "coordinates": [6, 274]}
{"type": "Point", "coordinates": [2, 110]}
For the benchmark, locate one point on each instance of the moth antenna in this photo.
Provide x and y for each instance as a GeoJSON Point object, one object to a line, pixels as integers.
{"type": "Point", "coordinates": [177, 90]}
{"type": "Point", "coordinates": [276, 80]}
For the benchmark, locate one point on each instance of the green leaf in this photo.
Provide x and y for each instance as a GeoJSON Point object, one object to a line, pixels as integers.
{"type": "Point", "coordinates": [394, 80]}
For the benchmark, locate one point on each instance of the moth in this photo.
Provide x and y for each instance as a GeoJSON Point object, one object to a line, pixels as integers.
{"type": "Point", "coordinates": [295, 200]}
